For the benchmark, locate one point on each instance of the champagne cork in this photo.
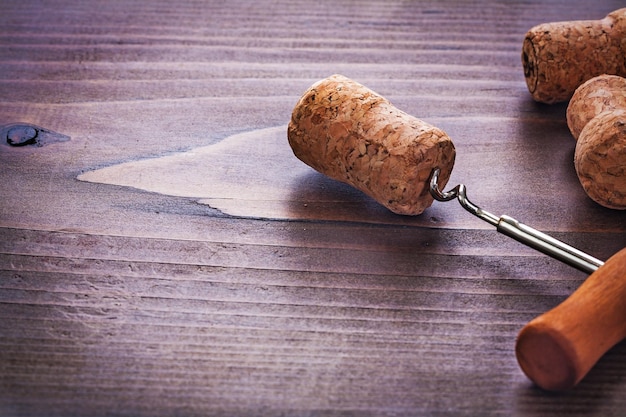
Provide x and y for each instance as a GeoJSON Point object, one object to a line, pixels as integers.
{"type": "Point", "coordinates": [351, 134]}
{"type": "Point", "coordinates": [558, 57]}
{"type": "Point", "coordinates": [596, 116]}
{"type": "Point", "coordinates": [600, 159]}
{"type": "Point", "coordinates": [605, 93]}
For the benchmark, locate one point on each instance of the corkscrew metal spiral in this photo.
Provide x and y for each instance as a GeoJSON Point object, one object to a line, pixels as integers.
{"type": "Point", "coordinates": [517, 230]}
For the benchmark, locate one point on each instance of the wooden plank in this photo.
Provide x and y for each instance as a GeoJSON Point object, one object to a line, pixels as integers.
{"type": "Point", "coordinates": [129, 297]}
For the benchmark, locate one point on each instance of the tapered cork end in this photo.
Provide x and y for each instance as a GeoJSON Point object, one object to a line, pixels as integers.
{"type": "Point", "coordinates": [597, 95]}
{"type": "Point", "coordinates": [600, 159]}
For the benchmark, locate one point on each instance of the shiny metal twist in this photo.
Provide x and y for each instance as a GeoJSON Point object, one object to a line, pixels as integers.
{"type": "Point", "coordinates": [516, 230]}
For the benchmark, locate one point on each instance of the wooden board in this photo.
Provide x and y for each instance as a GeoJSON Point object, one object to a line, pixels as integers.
{"type": "Point", "coordinates": [209, 272]}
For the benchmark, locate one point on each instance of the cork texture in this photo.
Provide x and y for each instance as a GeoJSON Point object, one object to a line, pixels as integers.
{"type": "Point", "coordinates": [558, 57]}
{"type": "Point", "coordinates": [351, 134]}
{"type": "Point", "coordinates": [600, 159]}
{"type": "Point", "coordinates": [597, 95]}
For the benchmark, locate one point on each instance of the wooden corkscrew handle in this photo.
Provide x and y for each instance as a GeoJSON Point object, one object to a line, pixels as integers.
{"type": "Point", "coordinates": [557, 349]}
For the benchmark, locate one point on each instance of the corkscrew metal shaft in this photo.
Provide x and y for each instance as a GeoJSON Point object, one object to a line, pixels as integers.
{"type": "Point", "coordinates": [516, 230]}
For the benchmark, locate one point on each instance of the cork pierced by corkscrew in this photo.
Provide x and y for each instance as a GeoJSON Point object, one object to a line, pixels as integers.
{"type": "Point", "coordinates": [351, 134]}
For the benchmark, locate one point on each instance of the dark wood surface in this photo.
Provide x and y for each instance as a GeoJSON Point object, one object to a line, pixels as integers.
{"type": "Point", "coordinates": [173, 257]}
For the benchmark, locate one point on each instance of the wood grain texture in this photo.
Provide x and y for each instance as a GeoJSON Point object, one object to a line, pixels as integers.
{"type": "Point", "coordinates": [118, 301]}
